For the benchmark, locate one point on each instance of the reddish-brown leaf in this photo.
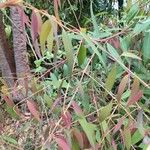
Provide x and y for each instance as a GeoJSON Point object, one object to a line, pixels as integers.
{"type": "Point", "coordinates": [121, 88]}
{"type": "Point", "coordinates": [62, 143]}
{"type": "Point", "coordinates": [77, 109]}
{"type": "Point", "coordinates": [8, 101]}
{"type": "Point", "coordinates": [119, 124]}
{"type": "Point", "coordinates": [36, 23]}
{"type": "Point", "coordinates": [78, 135]}
{"type": "Point", "coordinates": [11, 104]}
{"type": "Point", "coordinates": [66, 117]}
{"type": "Point", "coordinates": [134, 98]}
{"type": "Point", "coordinates": [33, 109]}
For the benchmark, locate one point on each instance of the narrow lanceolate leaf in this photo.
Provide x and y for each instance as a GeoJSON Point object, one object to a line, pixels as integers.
{"type": "Point", "coordinates": [89, 130]}
{"type": "Point", "coordinates": [94, 48]}
{"type": "Point", "coordinates": [105, 111]}
{"type": "Point", "coordinates": [135, 86]}
{"type": "Point", "coordinates": [122, 87]}
{"type": "Point", "coordinates": [69, 50]}
{"type": "Point", "coordinates": [118, 125]}
{"type": "Point", "coordinates": [127, 138]}
{"type": "Point", "coordinates": [45, 30]}
{"type": "Point", "coordinates": [130, 55]}
{"type": "Point", "coordinates": [34, 26]}
{"type": "Point", "coordinates": [141, 26]}
{"type": "Point", "coordinates": [146, 47]}
{"type": "Point", "coordinates": [140, 123]}
{"type": "Point", "coordinates": [50, 40]}
{"type": "Point", "coordinates": [78, 136]}
{"type": "Point", "coordinates": [62, 143]}
{"type": "Point", "coordinates": [82, 54]}
{"type": "Point", "coordinates": [110, 80]}
{"type": "Point", "coordinates": [77, 109]}
{"type": "Point", "coordinates": [96, 29]}
{"type": "Point", "coordinates": [113, 52]}
{"type": "Point", "coordinates": [133, 12]}
{"type": "Point", "coordinates": [32, 108]}
{"type": "Point", "coordinates": [134, 98]}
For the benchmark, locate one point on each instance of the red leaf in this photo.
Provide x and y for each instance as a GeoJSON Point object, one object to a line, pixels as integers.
{"type": "Point", "coordinates": [62, 143]}
{"type": "Point", "coordinates": [11, 104]}
{"type": "Point", "coordinates": [77, 109]}
{"type": "Point", "coordinates": [66, 117]}
{"type": "Point", "coordinates": [36, 23]}
{"type": "Point", "coordinates": [23, 16]}
{"type": "Point", "coordinates": [119, 124]}
{"type": "Point", "coordinates": [134, 98]}
{"type": "Point", "coordinates": [32, 108]}
{"type": "Point", "coordinates": [121, 88]}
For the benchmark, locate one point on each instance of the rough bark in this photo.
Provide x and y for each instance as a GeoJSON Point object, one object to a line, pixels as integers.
{"type": "Point", "coordinates": [19, 43]}
{"type": "Point", "coordinates": [7, 61]}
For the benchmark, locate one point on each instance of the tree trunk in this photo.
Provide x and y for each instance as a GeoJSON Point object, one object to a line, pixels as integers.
{"type": "Point", "coordinates": [19, 44]}
{"type": "Point", "coordinates": [7, 61]}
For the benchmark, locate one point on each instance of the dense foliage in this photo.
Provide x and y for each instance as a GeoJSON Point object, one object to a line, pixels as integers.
{"type": "Point", "coordinates": [89, 82]}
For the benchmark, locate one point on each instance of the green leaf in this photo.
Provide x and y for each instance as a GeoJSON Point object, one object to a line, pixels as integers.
{"type": "Point", "coordinates": [69, 50]}
{"type": "Point", "coordinates": [94, 48]}
{"type": "Point", "coordinates": [141, 26]}
{"type": "Point", "coordinates": [89, 130]}
{"type": "Point", "coordinates": [45, 30]}
{"type": "Point", "coordinates": [125, 43]}
{"type": "Point", "coordinates": [82, 54]}
{"type": "Point", "coordinates": [127, 138]}
{"type": "Point", "coordinates": [105, 111]}
{"type": "Point", "coordinates": [131, 55]}
{"type": "Point", "coordinates": [110, 80]}
{"type": "Point", "coordinates": [9, 139]}
{"type": "Point", "coordinates": [50, 40]}
{"type": "Point", "coordinates": [132, 12]}
{"type": "Point", "coordinates": [113, 52]}
{"type": "Point", "coordinates": [146, 47]}
{"type": "Point", "coordinates": [48, 100]}
{"type": "Point", "coordinates": [96, 29]}
{"type": "Point", "coordinates": [136, 137]}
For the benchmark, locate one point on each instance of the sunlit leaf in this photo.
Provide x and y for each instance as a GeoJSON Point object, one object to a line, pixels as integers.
{"type": "Point", "coordinates": [50, 40]}
{"type": "Point", "coordinates": [45, 30]}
